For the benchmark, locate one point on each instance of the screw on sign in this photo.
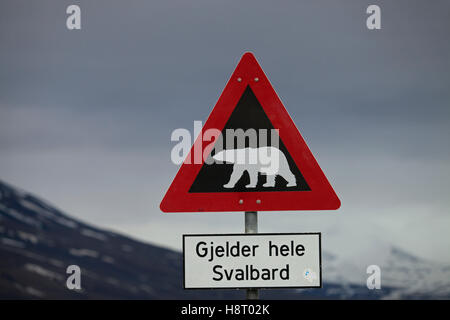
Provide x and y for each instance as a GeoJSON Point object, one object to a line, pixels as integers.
{"type": "Point", "coordinates": [256, 161]}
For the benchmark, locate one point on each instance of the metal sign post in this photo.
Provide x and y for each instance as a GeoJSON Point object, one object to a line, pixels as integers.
{"type": "Point", "coordinates": [251, 226]}
{"type": "Point", "coordinates": [250, 261]}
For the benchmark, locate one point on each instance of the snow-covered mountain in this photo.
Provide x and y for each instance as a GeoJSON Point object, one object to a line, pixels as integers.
{"type": "Point", "coordinates": [38, 242]}
{"type": "Point", "coordinates": [405, 275]}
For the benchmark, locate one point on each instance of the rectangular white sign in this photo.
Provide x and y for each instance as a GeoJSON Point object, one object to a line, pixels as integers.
{"type": "Point", "coordinates": [288, 260]}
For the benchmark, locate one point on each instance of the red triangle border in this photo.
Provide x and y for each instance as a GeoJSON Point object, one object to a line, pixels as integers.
{"type": "Point", "coordinates": [320, 197]}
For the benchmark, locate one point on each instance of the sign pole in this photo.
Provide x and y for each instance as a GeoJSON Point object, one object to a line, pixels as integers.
{"type": "Point", "coordinates": [251, 226]}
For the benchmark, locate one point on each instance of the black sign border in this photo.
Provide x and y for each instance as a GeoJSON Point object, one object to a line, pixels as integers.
{"type": "Point", "coordinates": [253, 234]}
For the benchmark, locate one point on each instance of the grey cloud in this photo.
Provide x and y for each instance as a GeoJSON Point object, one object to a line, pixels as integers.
{"type": "Point", "coordinates": [372, 105]}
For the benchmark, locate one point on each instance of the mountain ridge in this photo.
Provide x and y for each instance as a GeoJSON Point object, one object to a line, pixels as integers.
{"type": "Point", "coordinates": [39, 241]}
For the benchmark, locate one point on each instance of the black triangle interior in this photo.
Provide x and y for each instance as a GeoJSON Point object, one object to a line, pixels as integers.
{"type": "Point", "coordinates": [247, 114]}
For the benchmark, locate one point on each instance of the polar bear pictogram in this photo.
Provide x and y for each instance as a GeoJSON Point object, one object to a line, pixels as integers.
{"type": "Point", "coordinates": [269, 161]}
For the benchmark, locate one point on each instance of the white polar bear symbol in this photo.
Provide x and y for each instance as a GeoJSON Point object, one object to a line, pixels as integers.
{"type": "Point", "coordinates": [269, 161]}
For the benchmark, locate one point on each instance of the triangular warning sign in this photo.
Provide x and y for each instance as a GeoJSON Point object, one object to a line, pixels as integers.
{"type": "Point", "coordinates": [252, 157]}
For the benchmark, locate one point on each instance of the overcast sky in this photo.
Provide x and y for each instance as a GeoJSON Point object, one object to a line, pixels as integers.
{"type": "Point", "coordinates": [86, 116]}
